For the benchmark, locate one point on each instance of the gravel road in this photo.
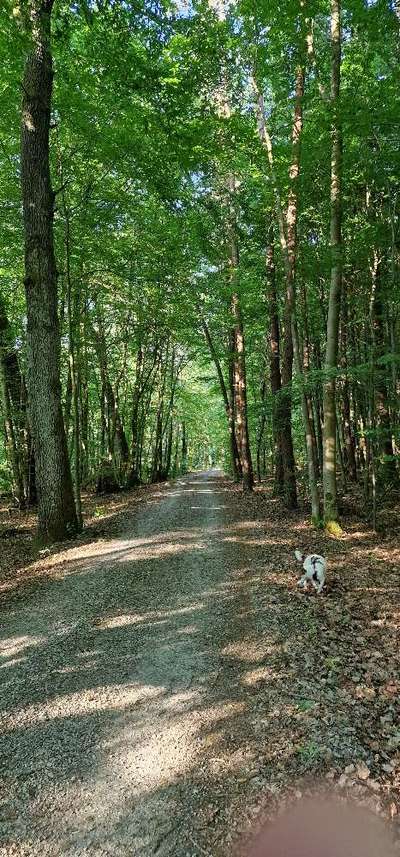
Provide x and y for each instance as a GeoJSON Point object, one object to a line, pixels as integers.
{"type": "Point", "coordinates": [126, 688]}
{"type": "Point", "coordinates": [160, 690]}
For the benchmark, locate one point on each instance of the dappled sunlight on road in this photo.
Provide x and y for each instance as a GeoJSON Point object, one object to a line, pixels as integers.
{"type": "Point", "coordinates": [169, 684]}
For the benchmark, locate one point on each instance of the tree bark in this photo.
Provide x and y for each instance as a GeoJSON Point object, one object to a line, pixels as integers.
{"type": "Point", "coordinates": [274, 362]}
{"type": "Point", "coordinates": [238, 352]}
{"type": "Point", "coordinates": [350, 447]}
{"type": "Point", "coordinates": [387, 471]}
{"type": "Point", "coordinates": [241, 419]}
{"type": "Point", "coordinates": [14, 412]}
{"type": "Point", "coordinates": [56, 506]}
{"type": "Point", "coordinates": [332, 333]}
{"type": "Point", "coordinates": [235, 460]}
{"type": "Point", "coordinates": [184, 463]}
{"type": "Point", "coordinates": [134, 479]}
{"type": "Point", "coordinates": [74, 339]}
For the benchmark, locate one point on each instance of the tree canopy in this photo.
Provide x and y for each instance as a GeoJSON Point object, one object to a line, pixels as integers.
{"type": "Point", "coordinates": [223, 212]}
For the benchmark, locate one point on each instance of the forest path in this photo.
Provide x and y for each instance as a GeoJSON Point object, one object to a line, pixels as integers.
{"type": "Point", "coordinates": [155, 687]}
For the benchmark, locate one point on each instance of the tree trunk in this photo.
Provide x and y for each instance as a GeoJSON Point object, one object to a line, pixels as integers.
{"type": "Point", "coordinates": [14, 411]}
{"type": "Point", "coordinates": [133, 479]}
{"type": "Point", "coordinates": [235, 449]}
{"type": "Point", "coordinates": [74, 338]}
{"type": "Point", "coordinates": [56, 506]}
{"type": "Point", "coordinates": [290, 311]}
{"type": "Point", "coordinates": [184, 449]}
{"type": "Point", "coordinates": [387, 470]}
{"type": "Point", "coordinates": [242, 427]}
{"type": "Point", "coordinates": [11, 442]}
{"type": "Point", "coordinates": [156, 467]}
{"type": "Point", "coordinates": [332, 332]}
{"type": "Point", "coordinates": [168, 451]}
{"type": "Point", "coordinates": [274, 363]}
{"type": "Point", "coordinates": [238, 354]}
{"type": "Point", "coordinates": [350, 447]}
{"type": "Point", "coordinates": [235, 461]}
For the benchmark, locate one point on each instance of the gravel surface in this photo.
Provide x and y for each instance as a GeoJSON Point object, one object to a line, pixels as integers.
{"type": "Point", "coordinates": [109, 677]}
{"type": "Point", "coordinates": [152, 695]}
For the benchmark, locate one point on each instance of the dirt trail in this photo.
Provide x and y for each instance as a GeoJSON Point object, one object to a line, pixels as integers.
{"type": "Point", "coordinates": [156, 687]}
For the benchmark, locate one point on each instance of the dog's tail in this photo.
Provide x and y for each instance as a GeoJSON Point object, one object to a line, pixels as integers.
{"type": "Point", "coordinates": [299, 556]}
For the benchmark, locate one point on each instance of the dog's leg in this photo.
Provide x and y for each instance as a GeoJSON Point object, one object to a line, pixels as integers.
{"type": "Point", "coordinates": [302, 581]}
{"type": "Point", "coordinates": [320, 588]}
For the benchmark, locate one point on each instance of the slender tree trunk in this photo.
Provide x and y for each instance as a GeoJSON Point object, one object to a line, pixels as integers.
{"type": "Point", "coordinates": [168, 451]}
{"type": "Point", "coordinates": [73, 335]}
{"type": "Point", "coordinates": [291, 348]}
{"type": "Point", "coordinates": [84, 407]}
{"type": "Point", "coordinates": [290, 313]}
{"type": "Point", "coordinates": [332, 333]}
{"type": "Point", "coordinates": [274, 363]}
{"type": "Point", "coordinates": [242, 426]}
{"type": "Point", "coordinates": [309, 395]}
{"type": "Point", "coordinates": [14, 411]}
{"type": "Point", "coordinates": [235, 447]}
{"type": "Point", "coordinates": [134, 479]}
{"type": "Point", "coordinates": [235, 461]}
{"type": "Point", "coordinates": [11, 442]}
{"type": "Point", "coordinates": [387, 470]}
{"type": "Point", "coordinates": [347, 422]}
{"type": "Point", "coordinates": [184, 465]}
{"type": "Point", "coordinates": [156, 467]}
{"type": "Point", "coordinates": [239, 355]}
{"type": "Point", "coordinates": [56, 506]}
{"type": "Point", "coordinates": [291, 341]}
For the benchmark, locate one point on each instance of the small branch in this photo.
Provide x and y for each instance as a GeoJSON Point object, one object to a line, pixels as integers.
{"type": "Point", "coordinates": [62, 188]}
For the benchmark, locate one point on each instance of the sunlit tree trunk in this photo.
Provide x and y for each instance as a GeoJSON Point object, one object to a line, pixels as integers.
{"type": "Point", "coordinates": [56, 506]}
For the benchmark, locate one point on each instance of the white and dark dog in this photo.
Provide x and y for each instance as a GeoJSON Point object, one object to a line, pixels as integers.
{"type": "Point", "coordinates": [314, 567]}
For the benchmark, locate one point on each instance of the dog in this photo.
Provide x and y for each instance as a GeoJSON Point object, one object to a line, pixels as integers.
{"type": "Point", "coordinates": [314, 570]}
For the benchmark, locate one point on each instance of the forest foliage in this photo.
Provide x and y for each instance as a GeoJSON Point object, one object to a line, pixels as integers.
{"type": "Point", "coordinates": [200, 241]}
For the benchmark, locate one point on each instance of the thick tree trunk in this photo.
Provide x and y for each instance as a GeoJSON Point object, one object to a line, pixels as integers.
{"type": "Point", "coordinates": [57, 514]}
{"type": "Point", "coordinates": [332, 333]}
